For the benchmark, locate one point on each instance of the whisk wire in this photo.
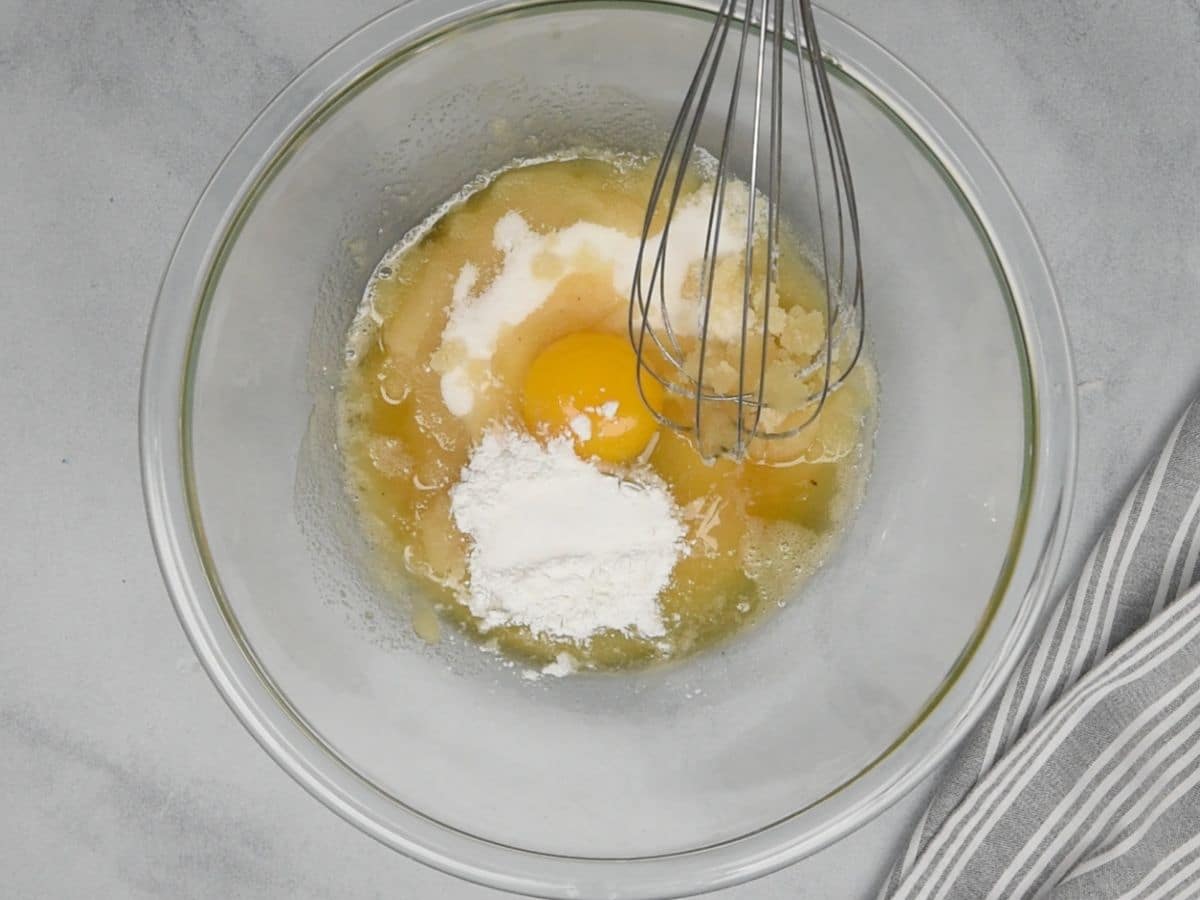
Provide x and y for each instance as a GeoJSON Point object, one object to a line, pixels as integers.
{"type": "Point", "coordinates": [701, 85]}
{"type": "Point", "coordinates": [712, 239]}
{"type": "Point", "coordinates": [751, 216]}
{"type": "Point", "coordinates": [775, 189]}
{"type": "Point", "coordinates": [660, 344]}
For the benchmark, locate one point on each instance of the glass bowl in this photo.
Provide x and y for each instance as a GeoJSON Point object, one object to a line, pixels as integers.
{"type": "Point", "coordinates": [659, 783]}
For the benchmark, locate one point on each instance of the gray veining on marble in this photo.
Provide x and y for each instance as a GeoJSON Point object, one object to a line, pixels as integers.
{"type": "Point", "coordinates": [122, 774]}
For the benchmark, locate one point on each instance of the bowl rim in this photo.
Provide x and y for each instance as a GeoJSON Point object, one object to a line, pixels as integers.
{"type": "Point", "coordinates": [1017, 605]}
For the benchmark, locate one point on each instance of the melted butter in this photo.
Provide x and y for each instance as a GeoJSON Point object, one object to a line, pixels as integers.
{"type": "Point", "coordinates": [755, 531]}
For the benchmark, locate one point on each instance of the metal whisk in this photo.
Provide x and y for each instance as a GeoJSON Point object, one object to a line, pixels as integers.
{"type": "Point", "coordinates": [756, 39]}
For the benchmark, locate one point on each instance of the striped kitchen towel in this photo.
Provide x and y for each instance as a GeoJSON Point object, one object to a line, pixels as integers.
{"type": "Point", "coordinates": [1083, 778]}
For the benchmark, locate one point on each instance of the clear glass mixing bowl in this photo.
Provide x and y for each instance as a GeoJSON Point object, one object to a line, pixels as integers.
{"type": "Point", "coordinates": [659, 783]}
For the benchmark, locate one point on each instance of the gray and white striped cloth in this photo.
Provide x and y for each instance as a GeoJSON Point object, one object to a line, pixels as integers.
{"type": "Point", "coordinates": [1083, 778]}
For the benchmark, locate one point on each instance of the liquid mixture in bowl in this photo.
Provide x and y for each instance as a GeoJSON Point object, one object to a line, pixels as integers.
{"type": "Point", "coordinates": [501, 452]}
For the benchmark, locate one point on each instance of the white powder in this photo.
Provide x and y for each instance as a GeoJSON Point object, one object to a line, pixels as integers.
{"type": "Point", "coordinates": [522, 286]}
{"type": "Point", "coordinates": [564, 664]}
{"type": "Point", "coordinates": [559, 546]}
{"type": "Point", "coordinates": [582, 426]}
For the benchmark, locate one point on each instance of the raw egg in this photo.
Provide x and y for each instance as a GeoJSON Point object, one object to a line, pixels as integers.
{"type": "Point", "coordinates": [585, 385]}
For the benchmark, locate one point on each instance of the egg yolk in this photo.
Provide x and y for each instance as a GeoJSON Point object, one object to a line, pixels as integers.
{"type": "Point", "coordinates": [585, 385]}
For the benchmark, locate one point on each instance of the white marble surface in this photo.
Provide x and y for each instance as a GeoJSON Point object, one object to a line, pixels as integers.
{"type": "Point", "coordinates": [122, 774]}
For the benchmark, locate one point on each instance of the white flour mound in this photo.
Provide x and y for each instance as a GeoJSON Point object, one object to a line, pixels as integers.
{"type": "Point", "coordinates": [559, 546]}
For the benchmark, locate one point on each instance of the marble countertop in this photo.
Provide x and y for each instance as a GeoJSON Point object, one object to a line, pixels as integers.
{"type": "Point", "coordinates": [122, 773]}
